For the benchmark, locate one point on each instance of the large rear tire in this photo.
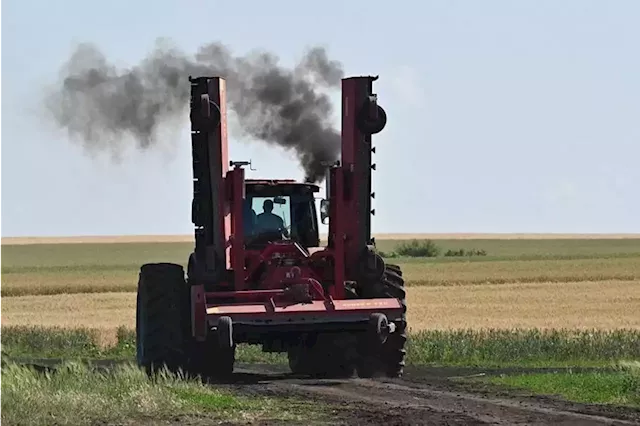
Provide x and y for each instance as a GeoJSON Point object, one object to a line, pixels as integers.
{"type": "Point", "coordinates": [161, 311]}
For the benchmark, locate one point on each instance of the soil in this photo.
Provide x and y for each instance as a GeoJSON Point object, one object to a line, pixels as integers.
{"type": "Point", "coordinates": [428, 396]}
{"type": "Point", "coordinates": [424, 396]}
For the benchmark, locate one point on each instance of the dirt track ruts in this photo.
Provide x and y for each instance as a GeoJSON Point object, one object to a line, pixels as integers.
{"type": "Point", "coordinates": [424, 396]}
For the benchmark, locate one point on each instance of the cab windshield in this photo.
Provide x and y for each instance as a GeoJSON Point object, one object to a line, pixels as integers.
{"type": "Point", "coordinates": [292, 215]}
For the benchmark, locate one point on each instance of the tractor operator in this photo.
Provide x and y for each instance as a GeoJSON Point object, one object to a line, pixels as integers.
{"type": "Point", "coordinates": [268, 221]}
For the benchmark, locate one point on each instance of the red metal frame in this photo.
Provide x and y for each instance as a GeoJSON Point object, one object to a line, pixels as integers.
{"type": "Point", "coordinates": [211, 164]}
{"type": "Point", "coordinates": [357, 309]}
{"type": "Point", "coordinates": [225, 221]}
{"type": "Point", "coordinates": [338, 219]}
{"type": "Point", "coordinates": [349, 230]}
{"type": "Point", "coordinates": [236, 196]}
{"type": "Point", "coordinates": [356, 169]}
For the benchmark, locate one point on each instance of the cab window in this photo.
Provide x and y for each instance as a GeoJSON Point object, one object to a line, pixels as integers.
{"type": "Point", "coordinates": [281, 208]}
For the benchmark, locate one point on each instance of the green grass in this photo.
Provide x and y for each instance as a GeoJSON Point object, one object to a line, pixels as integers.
{"type": "Point", "coordinates": [52, 342]}
{"type": "Point", "coordinates": [129, 256]}
{"type": "Point", "coordinates": [74, 394]}
{"type": "Point", "coordinates": [621, 387]}
{"type": "Point", "coordinates": [462, 347]}
{"type": "Point", "coordinates": [513, 271]}
{"type": "Point", "coordinates": [91, 256]}
{"type": "Point", "coordinates": [524, 348]}
{"type": "Point", "coordinates": [417, 248]}
{"type": "Point", "coordinates": [536, 248]}
{"type": "Point", "coordinates": [83, 343]}
{"type": "Point", "coordinates": [42, 269]}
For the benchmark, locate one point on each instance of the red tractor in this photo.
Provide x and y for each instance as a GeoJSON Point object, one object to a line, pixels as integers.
{"type": "Point", "coordinates": [263, 278]}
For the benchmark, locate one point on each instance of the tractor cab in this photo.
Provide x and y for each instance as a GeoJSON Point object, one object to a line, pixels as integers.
{"type": "Point", "coordinates": [276, 210]}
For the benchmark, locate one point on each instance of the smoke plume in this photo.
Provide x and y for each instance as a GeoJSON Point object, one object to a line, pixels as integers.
{"type": "Point", "coordinates": [100, 104]}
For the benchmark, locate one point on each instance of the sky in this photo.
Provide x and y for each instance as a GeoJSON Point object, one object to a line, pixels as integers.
{"type": "Point", "coordinates": [503, 116]}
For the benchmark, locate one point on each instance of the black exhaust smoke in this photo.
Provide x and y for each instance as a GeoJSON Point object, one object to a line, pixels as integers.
{"type": "Point", "coordinates": [99, 104]}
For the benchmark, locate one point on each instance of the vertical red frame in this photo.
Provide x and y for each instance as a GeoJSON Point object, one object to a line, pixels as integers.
{"type": "Point", "coordinates": [353, 179]}
{"type": "Point", "coordinates": [236, 188]}
{"type": "Point", "coordinates": [219, 167]}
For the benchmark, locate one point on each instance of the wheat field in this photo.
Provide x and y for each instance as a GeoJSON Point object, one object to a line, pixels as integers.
{"type": "Point", "coordinates": [580, 305]}
{"type": "Point", "coordinates": [537, 282]}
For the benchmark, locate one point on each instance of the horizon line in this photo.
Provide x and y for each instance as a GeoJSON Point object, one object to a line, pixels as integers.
{"type": "Point", "coordinates": [167, 238]}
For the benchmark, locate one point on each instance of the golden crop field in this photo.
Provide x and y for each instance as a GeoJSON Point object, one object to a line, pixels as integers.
{"type": "Point", "coordinates": [542, 282]}
{"type": "Point", "coordinates": [580, 305]}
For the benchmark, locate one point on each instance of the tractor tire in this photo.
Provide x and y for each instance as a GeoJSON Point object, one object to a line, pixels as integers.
{"type": "Point", "coordinates": [161, 311]}
{"type": "Point", "coordinates": [387, 358]}
{"type": "Point", "coordinates": [393, 350]}
{"type": "Point", "coordinates": [394, 268]}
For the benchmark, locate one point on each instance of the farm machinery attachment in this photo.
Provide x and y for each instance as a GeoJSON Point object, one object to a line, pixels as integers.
{"type": "Point", "coordinates": [258, 273]}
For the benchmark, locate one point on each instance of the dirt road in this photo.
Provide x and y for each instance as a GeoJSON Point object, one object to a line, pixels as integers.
{"type": "Point", "coordinates": [430, 396]}
{"type": "Point", "coordinates": [424, 396]}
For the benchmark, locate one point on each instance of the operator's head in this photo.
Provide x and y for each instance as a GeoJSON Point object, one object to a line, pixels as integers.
{"type": "Point", "coordinates": [267, 206]}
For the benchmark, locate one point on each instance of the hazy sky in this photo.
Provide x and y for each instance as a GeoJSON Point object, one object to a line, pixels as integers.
{"type": "Point", "coordinates": [504, 116]}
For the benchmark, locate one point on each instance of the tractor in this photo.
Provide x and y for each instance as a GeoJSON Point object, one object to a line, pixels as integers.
{"type": "Point", "coordinates": [258, 273]}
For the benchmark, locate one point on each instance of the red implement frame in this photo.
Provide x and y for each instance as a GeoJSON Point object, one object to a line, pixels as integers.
{"type": "Point", "coordinates": [273, 308]}
{"type": "Point", "coordinates": [349, 229]}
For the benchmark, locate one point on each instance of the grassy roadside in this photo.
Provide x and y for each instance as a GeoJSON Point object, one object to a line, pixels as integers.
{"type": "Point", "coordinates": [486, 348]}
{"type": "Point", "coordinates": [92, 344]}
{"type": "Point", "coordinates": [77, 395]}
{"type": "Point", "coordinates": [523, 347]}
{"type": "Point", "coordinates": [619, 387]}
